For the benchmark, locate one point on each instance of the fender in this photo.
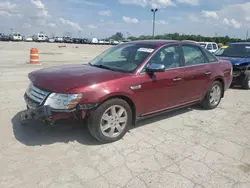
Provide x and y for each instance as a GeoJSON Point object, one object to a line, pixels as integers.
{"type": "Point", "coordinates": [118, 94]}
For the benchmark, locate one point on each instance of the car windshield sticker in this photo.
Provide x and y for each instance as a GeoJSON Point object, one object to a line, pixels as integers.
{"type": "Point", "coordinates": [248, 47]}
{"type": "Point", "coordinates": [224, 47]}
{"type": "Point", "coordinates": [149, 50]}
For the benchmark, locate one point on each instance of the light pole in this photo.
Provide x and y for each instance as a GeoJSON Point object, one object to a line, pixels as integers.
{"type": "Point", "coordinates": [154, 11]}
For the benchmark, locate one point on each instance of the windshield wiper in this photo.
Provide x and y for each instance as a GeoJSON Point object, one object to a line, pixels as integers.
{"type": "Point", "coordinates": [101, 66]}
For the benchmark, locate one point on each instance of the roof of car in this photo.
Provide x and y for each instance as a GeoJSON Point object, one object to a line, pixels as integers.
{"type": "Point", "coordinates": [157, 42]}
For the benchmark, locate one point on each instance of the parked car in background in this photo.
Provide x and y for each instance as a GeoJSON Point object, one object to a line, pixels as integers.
{"type": "Point", "coordinates": [59, 39]}
{"type": "Point", "coordinates": [101, 42]}
{"type": "Point", "coordinates": [67, 39]}
{"type": "Point", "coordinates": [27, 39]}
{"type": "Point", "coordinates": [85, 41]}
{"type": "Point", "coordinates": [4, 37]}
{"type": "Point", "coordinates": [113, 42]}
{"type": "Point", "coordinates": [127, 82]}
{"type": "Point", "coordinates": [39, 37]}
{"type": "Point", "coordinates": [106, 42]}
{"type": "Point", "coordinates": [46, 38]}
{"type": "Point", "coordinates": [239, 55]}
{"type": "Point", "coordinates": [16, 37]}
{"type": "Point", "coordinates": [77, 40]}
{"type": "Point", "coordinates": [210, 46]}
{"type": "Point", "coordinates": [51, 40]}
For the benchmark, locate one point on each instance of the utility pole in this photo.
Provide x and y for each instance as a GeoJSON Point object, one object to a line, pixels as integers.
{"type": "Point", "coordinates": [154, 11]}
{"type": "Point", "coordinates": [247, 35]}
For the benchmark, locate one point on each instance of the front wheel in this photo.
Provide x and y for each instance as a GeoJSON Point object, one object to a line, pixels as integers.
{"type": "Point", "coordinates": [213, 96]}
{"type": "Point", "coordinates": [110, 121]}
{"type": "Point", "coordinates": [246, 82]}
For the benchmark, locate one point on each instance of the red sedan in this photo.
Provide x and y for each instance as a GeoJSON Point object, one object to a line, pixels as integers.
{"type": "Point", "coordinates": [127, 82]}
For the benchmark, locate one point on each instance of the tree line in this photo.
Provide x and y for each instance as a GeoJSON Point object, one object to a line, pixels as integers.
{"type": "Point", "coordinates": [176, 36]}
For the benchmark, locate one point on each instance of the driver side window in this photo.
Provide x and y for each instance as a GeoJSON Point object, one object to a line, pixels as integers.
{"type": "Point", "coordinates": [192, 55]}
{"type": "Point", "coordinates": [168, 56]}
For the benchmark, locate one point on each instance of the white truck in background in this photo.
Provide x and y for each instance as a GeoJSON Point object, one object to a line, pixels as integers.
{"type": "Point", "coordinates": [16, 37]}
{"type": "Point", "coordinates": [210, 46]}
{"type": "Point", "coordinates": [39, 37]}
{"type": "Point", "coordinates": [94, 41]}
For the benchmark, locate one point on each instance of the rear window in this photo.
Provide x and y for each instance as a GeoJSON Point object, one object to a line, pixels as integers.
{"type": "Point", "coordinates": [210, 56]}
{"type": "Point", "coordinates": [215, 47]}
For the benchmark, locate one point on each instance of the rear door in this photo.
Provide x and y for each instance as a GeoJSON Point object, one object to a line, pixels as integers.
{"type": "Point", "coordinates": [197, 73]}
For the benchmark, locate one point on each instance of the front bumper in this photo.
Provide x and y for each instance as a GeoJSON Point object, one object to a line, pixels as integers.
{"type": "Point", "coordinates": [45, 112]}
{"type": "Point", "coordinates": [37, 113]}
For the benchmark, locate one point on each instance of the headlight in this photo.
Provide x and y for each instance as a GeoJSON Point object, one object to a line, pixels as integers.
{"type": "Point", "coordinates": [63, 101]}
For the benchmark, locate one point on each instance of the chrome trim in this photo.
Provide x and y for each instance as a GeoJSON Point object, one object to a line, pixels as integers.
{"type": "Point", "coordinates": [134, 87]}
{"type": "Point", "coordinates": [36, 94]}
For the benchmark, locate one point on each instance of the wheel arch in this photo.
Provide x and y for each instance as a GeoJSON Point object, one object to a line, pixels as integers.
{"type": "Point", "coordinates": [128, 100]}
{"type": "Point", "coordinates": [219, 79]}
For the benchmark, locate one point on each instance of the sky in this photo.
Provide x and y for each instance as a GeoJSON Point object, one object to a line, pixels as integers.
{"type": "Point", "coordinates": [102, 18]}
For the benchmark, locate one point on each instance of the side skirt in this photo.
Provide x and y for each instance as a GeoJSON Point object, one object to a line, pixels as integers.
{"type": "Point", "coordinates": [152, 114]}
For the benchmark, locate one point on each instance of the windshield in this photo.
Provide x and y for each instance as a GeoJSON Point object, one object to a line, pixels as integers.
{"type": "Point", "coordinates": [234, 50]}
{"type": "Point", "coordinates": [123, 58]}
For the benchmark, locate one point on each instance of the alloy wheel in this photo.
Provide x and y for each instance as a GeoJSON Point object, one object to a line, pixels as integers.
{"type": "Point", "coordinates": [215, 95]}
{"type": "Point", "coordinates": [113, 121]}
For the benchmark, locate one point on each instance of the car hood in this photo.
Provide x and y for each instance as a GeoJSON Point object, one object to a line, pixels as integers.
{"type": "Point", "coordinates": [64, 78]}
{"type": "Point", "coordinates": [236, 60]}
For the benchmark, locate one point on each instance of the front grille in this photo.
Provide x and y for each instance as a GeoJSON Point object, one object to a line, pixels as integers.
{"type": "Point", "coordinates": [36, 94]}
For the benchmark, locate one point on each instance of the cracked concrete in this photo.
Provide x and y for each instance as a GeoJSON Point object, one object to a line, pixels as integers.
{"type": "Point", "coordinates": [188, 148]}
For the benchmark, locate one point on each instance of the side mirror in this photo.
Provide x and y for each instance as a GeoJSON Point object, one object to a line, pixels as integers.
{"type": "Point", "coordinates": [155, 68]}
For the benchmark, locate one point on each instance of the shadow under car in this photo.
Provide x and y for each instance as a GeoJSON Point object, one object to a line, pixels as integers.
{"type": "Point", "coordinates": [37, 132]}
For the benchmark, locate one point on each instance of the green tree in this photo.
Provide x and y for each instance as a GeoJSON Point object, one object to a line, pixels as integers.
{"type": "Point", "coordinates": [177, 36]}
{"type": "Point", "coordinates": [118, 36]}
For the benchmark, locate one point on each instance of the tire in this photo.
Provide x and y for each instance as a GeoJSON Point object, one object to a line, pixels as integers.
{"type": "Point", "coordinates": [246, 82]}
{"type": "Point", "coordinates": [207, 103]}
{"type": "Point", "coordinates": [95, 120]}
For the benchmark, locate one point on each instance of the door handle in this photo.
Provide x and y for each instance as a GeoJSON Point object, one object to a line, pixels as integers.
{"type": "Point", "coordinates": [208, 73]}
{"type": "Point", "coordinates": [177, 79]}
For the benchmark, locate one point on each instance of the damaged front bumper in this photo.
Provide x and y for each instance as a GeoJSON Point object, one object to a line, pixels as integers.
{"type": "Point", "coordinates": [239, 73]}
{"type": "Point", "coordinates": [35, 111]}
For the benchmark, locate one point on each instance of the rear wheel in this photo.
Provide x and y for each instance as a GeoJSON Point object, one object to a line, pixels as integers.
{"type": "Point", "coordinates": [213, 96]}
{"type": "Point", "coordinates": [110, 121]}
{"type": "Point", "coordinates": [246, 82]}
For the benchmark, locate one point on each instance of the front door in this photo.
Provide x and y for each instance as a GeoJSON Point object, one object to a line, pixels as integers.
{"type": "Point", "coordinates": [162, 90]}
{"type": "Point", "coordinates": [197, 72]}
